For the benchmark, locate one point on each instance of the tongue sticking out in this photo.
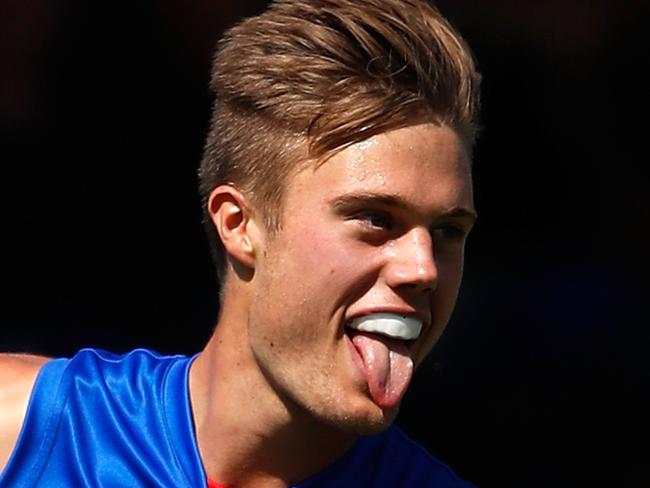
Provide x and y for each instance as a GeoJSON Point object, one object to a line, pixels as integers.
{"type": "Point", "coordinates": [388, 366]}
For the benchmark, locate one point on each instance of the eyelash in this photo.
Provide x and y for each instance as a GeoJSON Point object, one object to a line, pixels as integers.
{"type": "Point", "coordinates": [449, 232]}
{"type": "Point", "coordinates": [378, 221]}
{"type": "Point", "coordinates": [370, 217]}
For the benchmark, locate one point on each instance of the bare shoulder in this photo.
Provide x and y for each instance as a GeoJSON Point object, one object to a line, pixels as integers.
{"type": "Point", "coordinates": [17, 375]}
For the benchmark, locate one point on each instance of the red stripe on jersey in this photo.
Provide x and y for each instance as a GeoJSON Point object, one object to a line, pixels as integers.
{"type": "Point", "coordinates": [214, 484]}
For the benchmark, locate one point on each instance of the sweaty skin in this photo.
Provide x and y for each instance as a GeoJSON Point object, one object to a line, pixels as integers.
{"type": "Point", "coordinates": [378, 228]}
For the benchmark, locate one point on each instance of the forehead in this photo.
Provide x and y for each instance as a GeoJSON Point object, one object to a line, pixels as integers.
{"type": "Point", "coordinates": [425, 165]}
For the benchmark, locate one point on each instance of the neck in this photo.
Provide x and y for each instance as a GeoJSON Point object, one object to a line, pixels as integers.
{"type": "Point", "coordinates": [247, 434]}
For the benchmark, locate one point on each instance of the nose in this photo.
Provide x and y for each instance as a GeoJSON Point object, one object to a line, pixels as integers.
{"type": "Point", "coordinates": [412, 262]}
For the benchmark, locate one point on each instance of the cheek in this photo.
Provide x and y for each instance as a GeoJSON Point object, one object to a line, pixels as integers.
{"type": "Point", "coordinates": [300, 275]}
{"type": "Point", "coordinates": [443, 299]}
{"type": "Point", "coordinates": [310, 285]}
{"type": "Point", "coordinates": [321, 256]}
{"type": "Point", "coordinates": [450, 273]}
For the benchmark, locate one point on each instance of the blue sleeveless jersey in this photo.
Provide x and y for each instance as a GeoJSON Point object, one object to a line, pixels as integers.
{"type": "Point", "coordinates": [103, 420]}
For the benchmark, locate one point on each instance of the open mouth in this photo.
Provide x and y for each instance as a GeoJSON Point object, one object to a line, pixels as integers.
{"type": "Point", "coordinates": [382, 341]}
{"type": "Point", "coordinates": [388, 324]}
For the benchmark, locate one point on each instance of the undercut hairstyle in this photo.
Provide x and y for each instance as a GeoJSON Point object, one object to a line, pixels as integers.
{"type": "Point", "coordinates": [307, 78]}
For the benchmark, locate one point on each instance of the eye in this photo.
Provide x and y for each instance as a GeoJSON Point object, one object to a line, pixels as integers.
{"type": "Point", "coordinates": [375, 219]}
{"type": "Point", "coordinates": [450, 233]}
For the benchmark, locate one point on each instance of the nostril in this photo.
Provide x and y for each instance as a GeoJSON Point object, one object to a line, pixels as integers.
{"type": "Point", "coordinates": [430, 289]}
{"type": "Point", "coordinates": [425, 286]}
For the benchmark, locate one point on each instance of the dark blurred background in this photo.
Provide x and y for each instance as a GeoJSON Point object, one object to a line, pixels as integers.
{"type": "Point", "coordinates": [541, 378]}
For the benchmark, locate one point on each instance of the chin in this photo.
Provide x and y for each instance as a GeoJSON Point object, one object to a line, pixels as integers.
{"type": "Point", "coordinates": [366, 421]}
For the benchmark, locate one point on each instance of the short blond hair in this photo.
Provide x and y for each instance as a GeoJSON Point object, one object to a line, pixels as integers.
{"type": "Point", "coordinates": [307, 78]}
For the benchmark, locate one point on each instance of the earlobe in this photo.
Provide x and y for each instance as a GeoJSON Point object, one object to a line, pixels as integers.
{"type": "Point", "coordinates": [231, 217]}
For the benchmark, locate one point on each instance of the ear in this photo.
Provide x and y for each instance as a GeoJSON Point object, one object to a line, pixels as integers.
{"type": "Point", "coordinates": [232, 218]}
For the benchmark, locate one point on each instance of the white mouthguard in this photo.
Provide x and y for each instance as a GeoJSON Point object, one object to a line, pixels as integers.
{"type": "Point", "coordinates": [388, 324]}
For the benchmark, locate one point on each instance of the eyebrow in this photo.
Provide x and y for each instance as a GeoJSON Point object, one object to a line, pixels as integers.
{"type": "Point", "coordinates": [352, 201]}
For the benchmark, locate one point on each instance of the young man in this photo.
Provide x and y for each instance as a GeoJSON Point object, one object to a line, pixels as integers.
{"type": "Point", "coordinates": [338, 197]}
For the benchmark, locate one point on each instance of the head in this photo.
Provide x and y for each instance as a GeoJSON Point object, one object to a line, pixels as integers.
{"type": "Point", "coordinates": [307, 78]}
{"type": "Point", "coordinates": [344, 130]}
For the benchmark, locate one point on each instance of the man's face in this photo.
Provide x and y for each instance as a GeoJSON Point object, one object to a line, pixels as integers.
{"type": "Point", "coordinates": [377, 229]}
